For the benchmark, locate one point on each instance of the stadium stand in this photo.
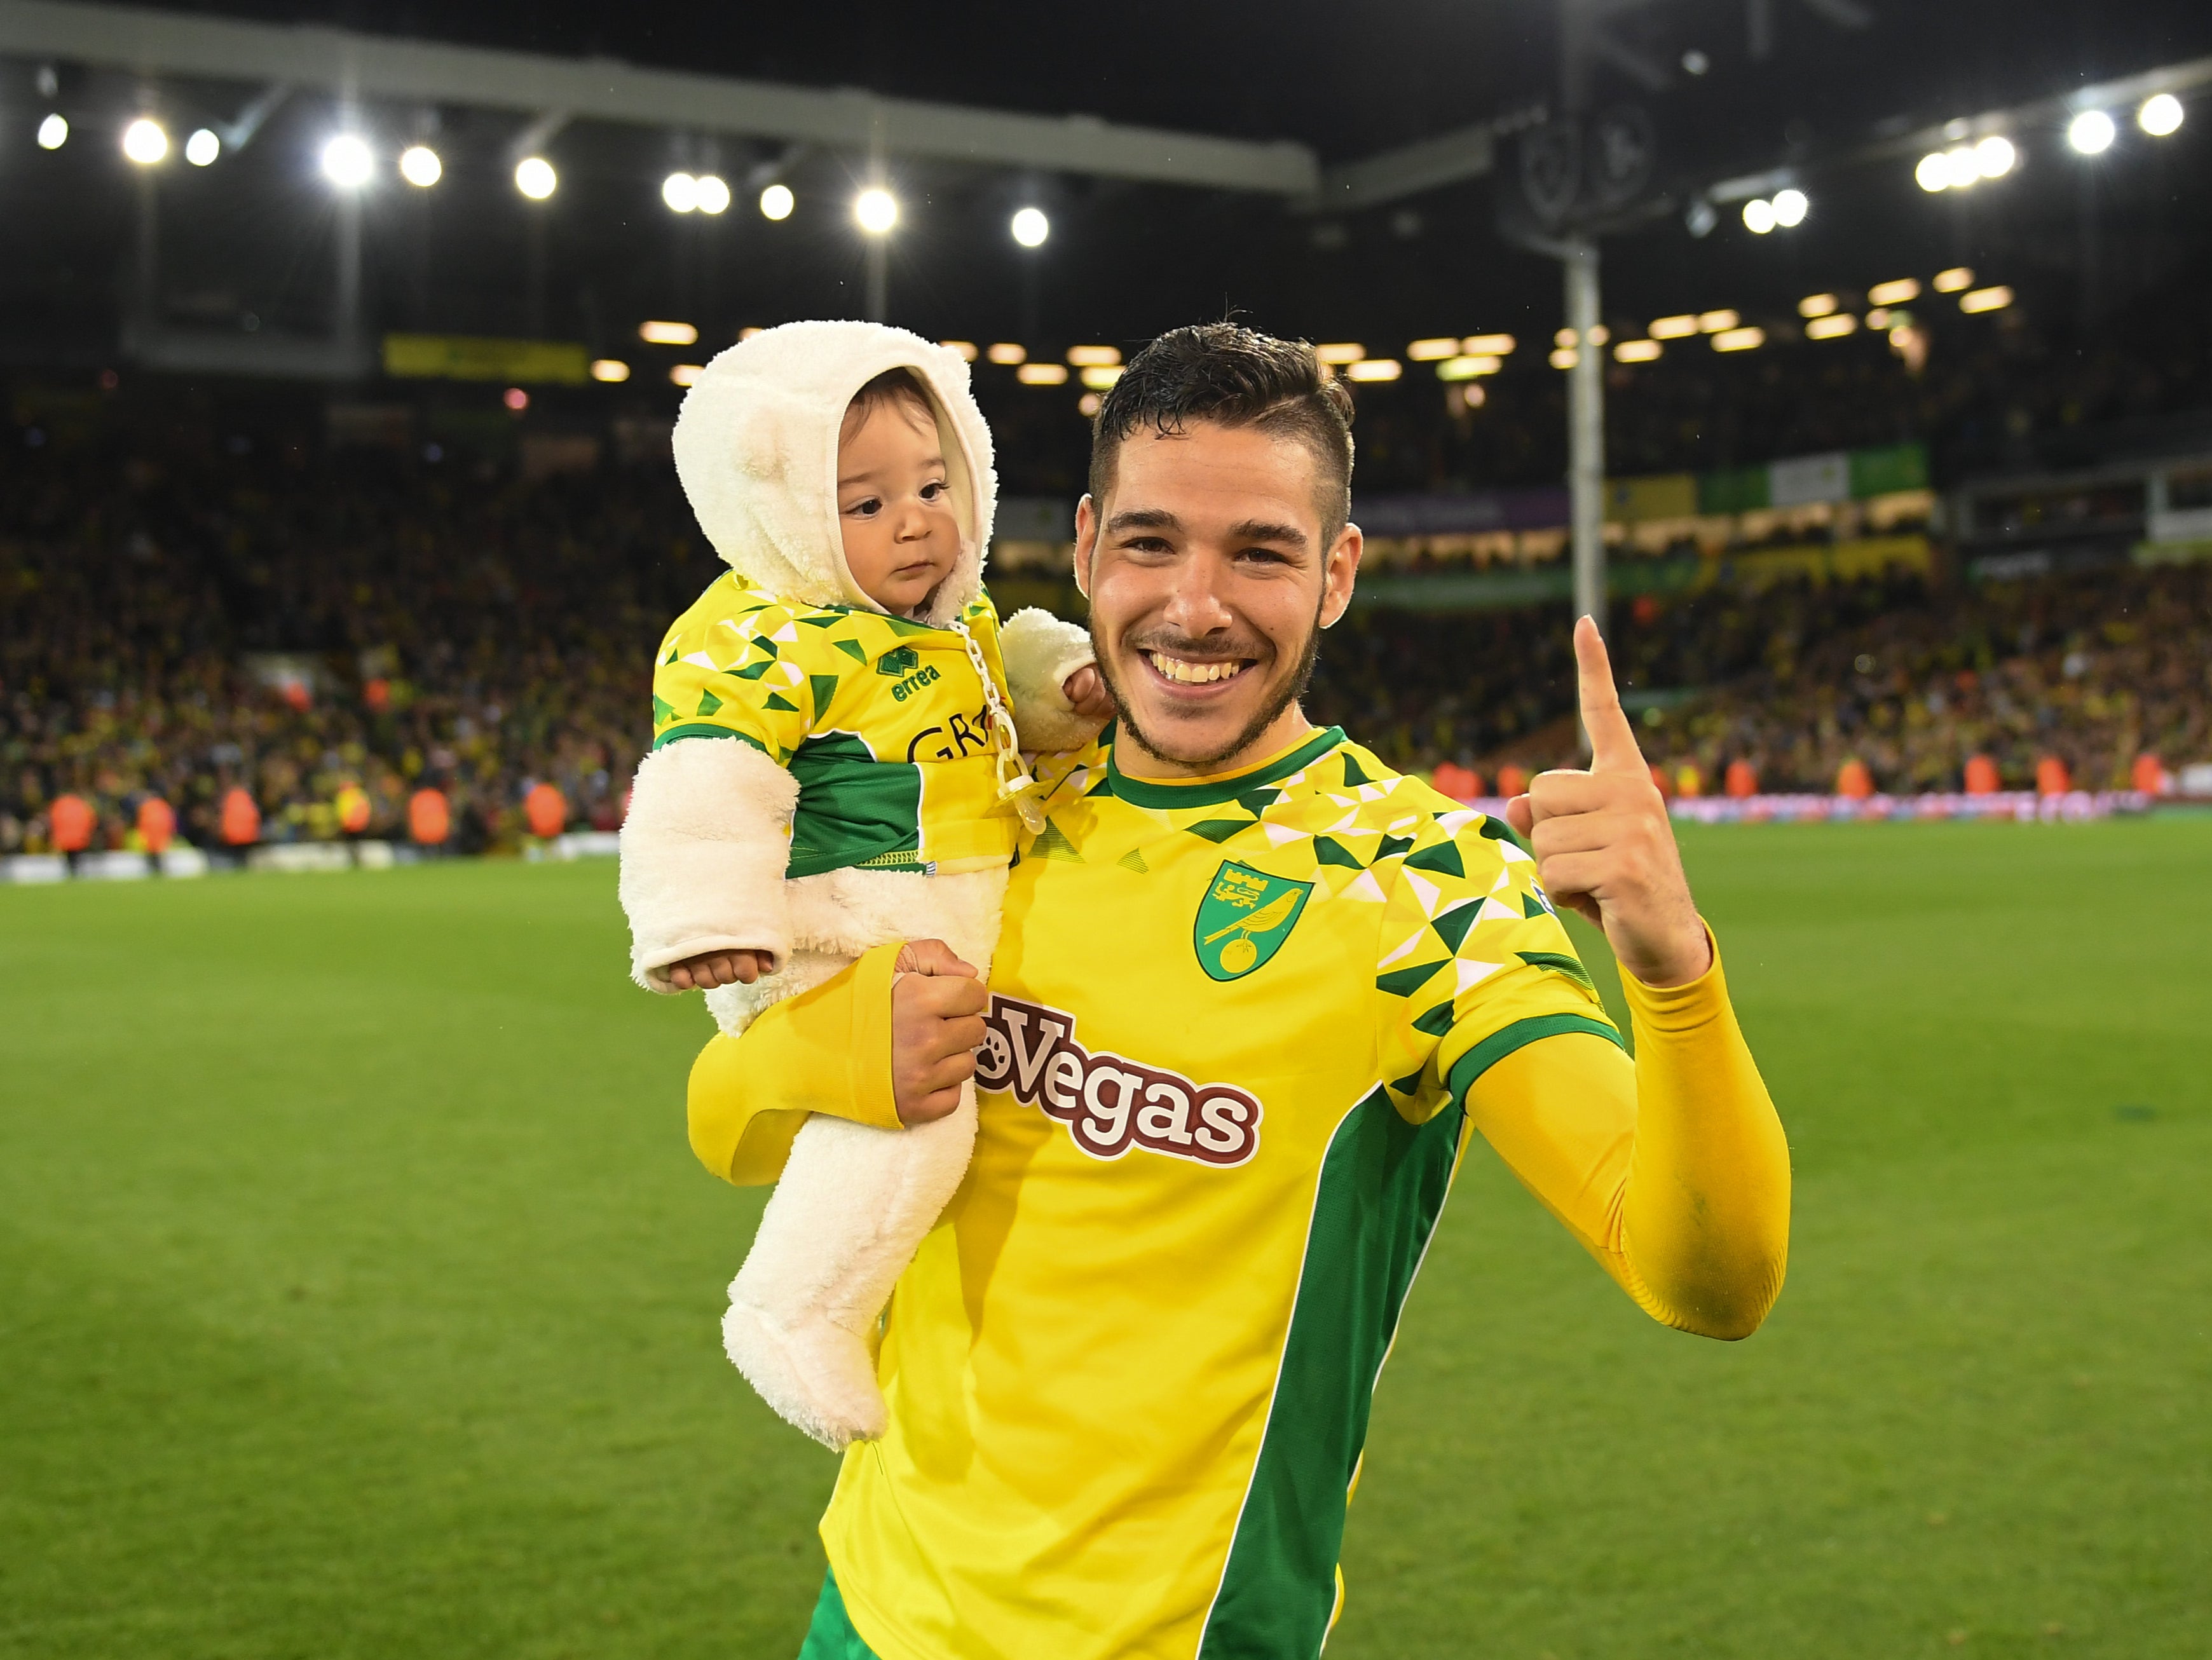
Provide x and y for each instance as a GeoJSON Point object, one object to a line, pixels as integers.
{"type": "Point", "coordinates": [297, 611]}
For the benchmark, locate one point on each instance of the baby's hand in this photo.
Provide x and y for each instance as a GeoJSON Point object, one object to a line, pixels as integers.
{"type": "Point", "coordinates": [1087, 692]}
{"type": "Point", "coordinates": [720, 968]}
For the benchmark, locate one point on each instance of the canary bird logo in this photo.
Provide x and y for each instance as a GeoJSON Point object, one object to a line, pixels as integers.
{"type": "Point", "coordinates": [1244, 919]}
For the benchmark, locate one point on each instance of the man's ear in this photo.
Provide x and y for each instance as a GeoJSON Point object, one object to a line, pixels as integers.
{"type": "Point", "coordinates": [1087, 541]}
{"type": "Point", "coordinates": [1338, 575]}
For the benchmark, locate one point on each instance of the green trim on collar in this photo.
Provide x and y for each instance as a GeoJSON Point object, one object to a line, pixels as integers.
{"type": "Point", "coordinates": [1149, 792]}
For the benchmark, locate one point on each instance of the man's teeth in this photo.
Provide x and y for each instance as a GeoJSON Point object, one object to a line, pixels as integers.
{"type": "Point", "coordinates": [1191, 674]}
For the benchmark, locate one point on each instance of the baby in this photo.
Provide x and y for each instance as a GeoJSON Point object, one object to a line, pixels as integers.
{"type": "Point", "coordinates": [836, 765]}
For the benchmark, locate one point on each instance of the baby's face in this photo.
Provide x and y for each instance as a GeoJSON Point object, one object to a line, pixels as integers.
{"type": "Point", "coordinates": [894, 506]}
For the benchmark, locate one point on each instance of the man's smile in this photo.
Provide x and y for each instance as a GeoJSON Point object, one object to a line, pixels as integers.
{"type": "Point", "coordinates": [1194, 671]}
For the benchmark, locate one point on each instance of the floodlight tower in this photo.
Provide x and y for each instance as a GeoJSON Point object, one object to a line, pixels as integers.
{"type": "Point", "coordinates": [1578, 262]}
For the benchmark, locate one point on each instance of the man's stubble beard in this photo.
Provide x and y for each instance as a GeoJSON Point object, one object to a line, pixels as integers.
{"type": "Point", "coordinates": [1291, 687]}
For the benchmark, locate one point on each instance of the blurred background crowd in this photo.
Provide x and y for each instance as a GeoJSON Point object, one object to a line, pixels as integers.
{"type": "Point", "coordinates": [325, 633]}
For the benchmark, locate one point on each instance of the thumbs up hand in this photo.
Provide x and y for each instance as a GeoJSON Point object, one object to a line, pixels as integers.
{"type": "Point", "coordinates": [1603, 843]}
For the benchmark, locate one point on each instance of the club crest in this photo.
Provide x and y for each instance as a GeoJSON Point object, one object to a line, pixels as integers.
{"type": "Point", "coordinates": [1244, 919]}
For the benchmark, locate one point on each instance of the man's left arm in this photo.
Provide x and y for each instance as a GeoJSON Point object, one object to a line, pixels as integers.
{"type": "Point", "coordinates": [1673, 1168]}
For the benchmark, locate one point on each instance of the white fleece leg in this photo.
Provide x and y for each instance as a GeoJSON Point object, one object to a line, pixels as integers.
{"type": "Point", "coordinates": [852, 1205]}
{"type": "Point", "coordinates": [1040, 652]}
{"type": "Point", "coordinates": [703, 851]}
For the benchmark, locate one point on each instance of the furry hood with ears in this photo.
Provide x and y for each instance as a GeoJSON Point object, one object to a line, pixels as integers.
{"type": "Point", "coordinates": [756, 449]}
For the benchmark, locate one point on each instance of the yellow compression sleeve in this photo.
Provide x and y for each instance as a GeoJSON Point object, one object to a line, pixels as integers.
{"type": "Point", "coordinates": [1672, 1169]}
{"type": "Point", "coordinates": [826, 1050]}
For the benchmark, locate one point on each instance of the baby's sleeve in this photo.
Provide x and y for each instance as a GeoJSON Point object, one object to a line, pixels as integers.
{"type": "Point", "coordinates": [1040, 652]}
{"type": "Point", "coordinates": [725, 676]}
{"type": "Point", "coordinates": [707, 839]}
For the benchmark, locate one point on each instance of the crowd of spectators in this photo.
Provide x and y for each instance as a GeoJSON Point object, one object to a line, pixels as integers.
{"type": "Point", "coordinates": [2093, 673]}
{"type": "Point", "coordinates": [1908, 680]}
{"type": "Point", "coordinates": [452, 627]}
{"type": "Point", "coordinates": [331, 633]}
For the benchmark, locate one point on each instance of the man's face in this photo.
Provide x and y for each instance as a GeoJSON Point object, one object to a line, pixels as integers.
{"type": "Point", "coordinates": [1208, 583]}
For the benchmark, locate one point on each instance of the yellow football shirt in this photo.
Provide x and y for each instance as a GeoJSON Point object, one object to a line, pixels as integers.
{"type": "Point", "coordinates": [1222, 1102]}
{"type": "Point", "coordinates": [881, 719]}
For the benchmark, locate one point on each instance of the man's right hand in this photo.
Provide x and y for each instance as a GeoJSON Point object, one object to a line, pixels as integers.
{"type": "Point", "coordinates": [937, 1025]}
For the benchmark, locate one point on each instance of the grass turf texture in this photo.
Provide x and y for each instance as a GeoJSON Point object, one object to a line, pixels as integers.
{"type": "Point", "coordinates": [361, 1293]}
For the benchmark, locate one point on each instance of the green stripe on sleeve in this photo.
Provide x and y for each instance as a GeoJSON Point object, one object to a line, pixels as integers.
{"type": "Point", "coordinates": [707, 729]}
{"type": "Point", "coordinates": [1518, 1035]}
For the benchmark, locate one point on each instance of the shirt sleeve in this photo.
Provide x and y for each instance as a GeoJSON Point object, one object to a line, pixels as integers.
{"type": "Point", "coordinates": [826, 1050]}
{"type": "Point", "coordinates": [725, 670]}
{"type": "Point", "coordinates": [1672, 1169]}
{"type": "Point", "coordinates": [1473, 963]}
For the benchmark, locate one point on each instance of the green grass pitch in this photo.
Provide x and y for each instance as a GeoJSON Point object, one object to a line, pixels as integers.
{"type": "Point", "coordinates": [358, 1293]}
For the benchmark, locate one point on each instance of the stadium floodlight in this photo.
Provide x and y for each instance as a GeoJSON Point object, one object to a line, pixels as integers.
{"type": "Point", "coordinates": [1673, 328]}
{"type": "Point", "coordinates": [680, 190]}
{"type": "Point", "coordinates": [144, 142]}
{"type": "Point", "coordinates": [1375, 369]}
{"type": "Point", "coordinates": [1714, 322]}
{"type": "Point", "coordinates": [535, 178]}
{"type": "Point", "coordinates": [1992, 299]}
{"type": "Point", "coordinates": [667, 334]}
{"type": "Point", "coordinates": [1340, 352]}
{"type": "Point", "coordinates": [419, 167]}
{"type": "Point", "coordinates": [1746, 339]}
{"type": "Point", "coordinates": [1099, 376]}
{"type": "Point", "coordinates": [1934, 172]}
{"type": "Point", "coordinates": [1759, 216]}
{"type": "Point", "coordinates": [202, 147]}
{"type": "Point", "coordinates": [2160, 115]}
{"type": "Point", "coordinates": [777, 202]}
{"type": "Point", "coordinates": [685, 374]}
{"type": "Point", "coordinates": [1638, 351]}
{"type": "Point", "coordinates": [1007, 352]}
{"type": "Point", "coordinates": [1790, 206]}
{"type": "Point", "coordinates": [1089, 405]}
{"type": "Point", "coordinates": [1903, 291]}
{"type": "Point", "coordinates": [967, 349]}
{"type": "Point", "coordinates": [1432, 351]}
{"type": "Point", "coordinates": [1487, 345]}
{"type": "Point", "coordinates": [1995, 156]}
{"type": "Point", "coordinates": [612, 370]}
{"type": "Point", "coordinates": [1951, 281]}
{"type": "Point", "coordinates": [713, 195]}
{"type": "Point", "coordinates": [875, 211]}
{"type": "Point", "coordinates": [1041, 374]}
{"type": "Point", "coordinates": [2091, 132]}
{"type": "Point", "coordinates": [1469, 366]}
{"type": "Point", "coordinates": [1565, 357]}
{"type": "Point", "coordinates": [53, 132]}
{"type": "Point", "coordinates": [1031, 226]}
{"type": "Point", "coordinates": [1565, 338]}
{"type": "Point", "coordinates": [1818, 305]}
{"type": "Point", "coordinates": [1834, 327]}
{"type": "Point", "coordinates": [1094, 356]}
{"type": "Point", "coordinates": [346, 161]}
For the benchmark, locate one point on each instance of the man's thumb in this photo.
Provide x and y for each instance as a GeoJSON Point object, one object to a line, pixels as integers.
{"type": "Point", "coordinates": [932, 956]}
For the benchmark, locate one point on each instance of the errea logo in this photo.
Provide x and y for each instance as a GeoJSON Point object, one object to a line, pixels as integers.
{"type": "Point", "coordinates": [1109, 1104]}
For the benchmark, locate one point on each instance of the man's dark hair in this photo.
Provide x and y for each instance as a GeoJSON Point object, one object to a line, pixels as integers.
{"type": "Point", "coordinates": [1231, 375]}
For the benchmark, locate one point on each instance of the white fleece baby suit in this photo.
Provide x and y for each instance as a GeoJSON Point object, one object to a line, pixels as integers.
{"type": "Point", "coordinates": [824, 778]}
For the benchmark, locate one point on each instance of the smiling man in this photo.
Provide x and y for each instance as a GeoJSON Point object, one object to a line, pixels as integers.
{"type": "Point", "coordinates": [1254, 994]}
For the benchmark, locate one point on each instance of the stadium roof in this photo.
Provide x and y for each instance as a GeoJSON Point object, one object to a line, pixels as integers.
{"type": "Point", "coordinates": [1176, 207]}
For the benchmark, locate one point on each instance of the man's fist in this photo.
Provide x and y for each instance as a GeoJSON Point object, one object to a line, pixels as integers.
{"type": "Point", "coordinates": [1603, 843]}
{"type": "Point", "coordinates": [937, 1025]}
{"type": "Point", "coordinates": [720, 968]}
{"type": "Point", "coordinates": [1087, 692]}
